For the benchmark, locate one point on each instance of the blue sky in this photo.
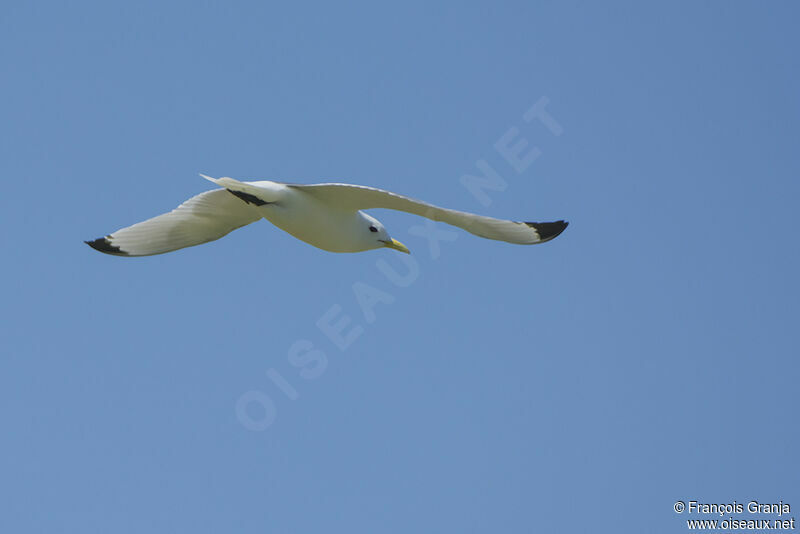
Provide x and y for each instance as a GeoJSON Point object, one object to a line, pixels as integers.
{"type": "Point", "coordinates": [647, 355]}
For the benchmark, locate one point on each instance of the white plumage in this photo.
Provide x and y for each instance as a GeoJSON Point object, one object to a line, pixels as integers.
{"type": "Point", "coordinates": [327, 216]}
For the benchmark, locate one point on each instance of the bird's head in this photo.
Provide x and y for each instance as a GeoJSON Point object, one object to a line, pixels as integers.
{"type": "Point", "coordinates": [374, 233]}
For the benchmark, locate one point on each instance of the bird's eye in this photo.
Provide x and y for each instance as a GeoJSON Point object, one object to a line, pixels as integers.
{"type": "Point", "coordinates": [373, 229]}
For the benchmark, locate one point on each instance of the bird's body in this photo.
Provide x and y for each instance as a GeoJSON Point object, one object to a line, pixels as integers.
{"type": "Point", "coordinates": [319, 224]}
{"type": "Point", "coordinates": [327, 216]}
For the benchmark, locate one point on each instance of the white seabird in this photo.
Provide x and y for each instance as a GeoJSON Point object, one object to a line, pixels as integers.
{"type": "Point", "coordinates": [327, 216]}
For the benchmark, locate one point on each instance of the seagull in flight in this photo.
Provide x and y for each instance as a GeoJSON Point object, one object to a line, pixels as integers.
{"type": "Point", "coordinates": [328, 216]}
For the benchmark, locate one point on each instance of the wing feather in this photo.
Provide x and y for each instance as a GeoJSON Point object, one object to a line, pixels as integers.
{"type": "Point", "coordinates": [359, 197]}
{"type": "Point", "coordinates": [202, 218]}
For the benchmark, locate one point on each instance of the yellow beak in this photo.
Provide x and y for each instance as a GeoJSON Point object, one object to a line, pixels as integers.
{"type": "Point", "coordinates": [397, 245]}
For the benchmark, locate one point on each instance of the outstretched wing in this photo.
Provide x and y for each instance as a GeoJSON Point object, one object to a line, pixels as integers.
{"type": "Point", "coordinates": [203, 218]}
{"type": "Point", "coordinates": [359, 197]}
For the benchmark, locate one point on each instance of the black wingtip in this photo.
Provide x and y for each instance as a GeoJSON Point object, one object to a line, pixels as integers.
{"type": "Point", "coordinates": [103, 244]}
{"type": "Point", "coordinates": [548, 230]}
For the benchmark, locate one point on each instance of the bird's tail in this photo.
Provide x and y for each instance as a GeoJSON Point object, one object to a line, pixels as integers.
{"type": "Point", "coordinates": [247, 191]}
